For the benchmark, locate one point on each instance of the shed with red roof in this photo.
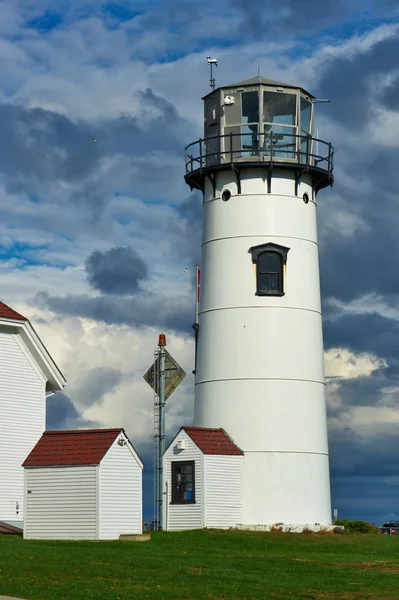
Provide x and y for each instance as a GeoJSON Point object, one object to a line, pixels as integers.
{"type": "Point", "coordinates": [83, 485]}
{"type": "Point", "coordinates": [203, 480]}
{"type": "Point", "coordinates": [27, 372]}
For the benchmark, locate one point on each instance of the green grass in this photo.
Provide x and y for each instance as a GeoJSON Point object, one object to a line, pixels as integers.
{"type": "Point", "coordinates": [208, 564]}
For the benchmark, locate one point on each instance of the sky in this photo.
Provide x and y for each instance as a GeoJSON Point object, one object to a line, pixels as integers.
{"type": "Point", "coordinates": [99, 234]}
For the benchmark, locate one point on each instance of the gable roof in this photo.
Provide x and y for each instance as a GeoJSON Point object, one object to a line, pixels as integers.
{"type": "Point", "coordinates": [73, 447]}
{"type": "Point", "coordinates": [14, 321]}
{"type": "Point", "coordinates": [6, 312]}
{"type": "Point", "coordinates": [213, 441]}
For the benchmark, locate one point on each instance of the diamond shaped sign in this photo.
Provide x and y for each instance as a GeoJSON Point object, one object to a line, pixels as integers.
{"type": "Point", "coordinates": [174, 375]}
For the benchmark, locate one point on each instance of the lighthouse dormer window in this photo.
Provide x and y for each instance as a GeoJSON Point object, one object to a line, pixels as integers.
{"type": "Point", "coordinates": [269, 260]}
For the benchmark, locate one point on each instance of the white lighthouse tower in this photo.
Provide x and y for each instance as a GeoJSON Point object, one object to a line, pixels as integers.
{"type": "Point", "coordinates": [259, 363]}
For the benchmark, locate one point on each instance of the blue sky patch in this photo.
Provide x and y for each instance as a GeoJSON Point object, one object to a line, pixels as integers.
{"type": "Point", "coordinates": [46, 22]}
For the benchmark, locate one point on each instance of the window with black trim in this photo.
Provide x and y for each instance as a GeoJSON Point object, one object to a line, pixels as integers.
{"type": "Point", "coordinates": [269, 260]}
{"type": "Point", "coordinates": [183, 482]}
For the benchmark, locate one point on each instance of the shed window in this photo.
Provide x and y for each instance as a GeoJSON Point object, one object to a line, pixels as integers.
{"type": "Point", "coordinates": [269, 260]}
{"type": "Point", "coordinates": [183, 482]}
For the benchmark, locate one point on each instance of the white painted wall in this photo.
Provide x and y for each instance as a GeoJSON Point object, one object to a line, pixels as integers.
{"type": "Point", "coordinates": [61, 503]}
{"type": "Point", "coordinates": [260, 371]}
{"type": "Point", "coordinates": [120, 493]}
{"type": "Point", "coordinates": [22, 419]}
{"type": "Point", "coordinates": [183, 516]}
{"type": "Point", "coordinates": [222, 491]}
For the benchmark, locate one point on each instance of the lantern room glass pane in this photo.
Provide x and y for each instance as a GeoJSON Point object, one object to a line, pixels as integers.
{"type": "Point", "coordinates": [279, 116]}
{"type": "Point", "coordinates": [306, 112]}
{"type": "Point", "coordinates": [279, 108]}
{"type": "Point", "coordinates": [250, 107]}
{"type": "Point", "coordinates": [232, 111]}
{"type": "Point", "coordinates": [232, 143]}
{"type": "Point", "coordinates": [280, 141]}
{"type": "Point", "coordinates": [249, 140]}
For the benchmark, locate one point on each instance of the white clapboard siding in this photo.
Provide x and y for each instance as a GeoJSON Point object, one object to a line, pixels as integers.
{"type": "Point", "coordinates": [61, 503]}
{"type": "Point", "coordinates": [22, 419]}
{"type": "Point", "coordinates": [120, 493]}
{"type": "Point", "coordinates": [184, 516]}
{"type": "Point", "coordinates": [222, 490]}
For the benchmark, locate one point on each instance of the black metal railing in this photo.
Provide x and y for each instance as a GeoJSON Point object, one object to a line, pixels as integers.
{"type": "Point", "coordinates": [303, 150]}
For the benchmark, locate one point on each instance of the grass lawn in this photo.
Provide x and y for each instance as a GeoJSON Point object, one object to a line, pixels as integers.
{"type": "Point", "coordinates": [205, 565]}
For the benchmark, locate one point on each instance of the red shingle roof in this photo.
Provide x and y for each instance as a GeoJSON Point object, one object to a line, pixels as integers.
{"type": "Point", "coordinates": [213, 441]}
{"type": "Point", "coordinates": [8, 313]}
{"type": "Point", "coordinates": [7, 529]}
{"type": "Point", "coordinates": [74, 447]}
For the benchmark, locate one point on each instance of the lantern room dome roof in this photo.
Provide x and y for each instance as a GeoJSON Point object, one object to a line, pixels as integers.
{"type": "Point", "coordinates": [258, 80]}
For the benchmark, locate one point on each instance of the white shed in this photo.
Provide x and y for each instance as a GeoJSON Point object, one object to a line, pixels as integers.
{"type": "Point", "coordinates": [27, 372]}
{"type": "Point", "coordinates": [203, 480]}
{"type": "Point", "coordinates": [83, 485]}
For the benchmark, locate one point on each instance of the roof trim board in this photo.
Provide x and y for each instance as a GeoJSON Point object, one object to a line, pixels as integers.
{"type": "Point", "coordinates": [51, 372]}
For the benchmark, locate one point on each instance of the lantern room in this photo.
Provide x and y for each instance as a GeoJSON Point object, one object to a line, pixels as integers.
{"type": "Point", "coordinates": [259, 121]}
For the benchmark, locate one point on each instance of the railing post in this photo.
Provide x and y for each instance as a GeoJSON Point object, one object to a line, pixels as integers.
{"type": "Point", "coordinates": [329, 158]}
{"type": "Point", "coordinates": [298, 140]}
{"type": "Point", "coordinates": [271, 146]}
{"type": "Point", "coordinates": [200, 151]}
{"type": "Point", "coordinates": [231, 147]}
{"type": "Point", "coordinates": [307, 149]}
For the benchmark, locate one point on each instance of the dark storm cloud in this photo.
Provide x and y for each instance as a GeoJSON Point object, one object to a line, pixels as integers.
{"type": "Point", "coordinates": [116, 271]}
{"type": "Point", "coordinates": [367, 391]}
{"type": "Point", "coordinates": [349, 83]}
{"type": "Point", "coordinates": [366, 262]}
{"type": "Point", "coordinates": [364, 461]}
{"type": "Point", "coordinates": [238, 21]}
{"type": "Point", "coordinates": [368, 455]}
{"type": "Point", "coordinates": [97, 383]}
{"type": "Point", "coordinates": [364, 333]}
{"type": "Point", "coordinates": [266, 17]}
{"type": "Point", "coordinates": [189, 244]}
{"type": "Point", "coordinates": [390, 97]}
{"type": "Point", "coordinates": [41, 148]}
{"type": "Point", "coordinates": [145, 310]}
{"type": "Point", "coordinates": [61, 413]}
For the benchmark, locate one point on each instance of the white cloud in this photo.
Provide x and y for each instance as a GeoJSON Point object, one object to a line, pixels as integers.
{"type": "Point", "coordinates": [81, 348]}
{"type": "Point", "coordinates": [342, 363]}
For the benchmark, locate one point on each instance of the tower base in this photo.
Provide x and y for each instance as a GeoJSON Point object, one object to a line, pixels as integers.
{"type": "Point", "coordinates": [289, 528]}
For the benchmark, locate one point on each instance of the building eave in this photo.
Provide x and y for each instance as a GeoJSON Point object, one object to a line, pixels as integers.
{"type": "Point", "coordinates": [55, 378]}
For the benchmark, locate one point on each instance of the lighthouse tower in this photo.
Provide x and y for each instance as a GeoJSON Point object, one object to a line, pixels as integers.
{"type": "Point", "coordinates": [259, 363]}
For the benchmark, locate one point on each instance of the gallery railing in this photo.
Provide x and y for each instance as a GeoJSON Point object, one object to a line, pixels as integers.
{"type": "Point", "coordinates": [303, 150]}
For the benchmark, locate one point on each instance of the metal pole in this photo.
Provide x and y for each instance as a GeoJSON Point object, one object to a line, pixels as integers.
{"type": "Point", "coordinates": [195, 324]}
{"type": "Point", "coordinates": [161, 354]}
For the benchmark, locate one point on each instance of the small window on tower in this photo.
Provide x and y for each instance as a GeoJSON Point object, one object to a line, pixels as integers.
{"type": "Point", "coordinates": [183, 482]}
{"type": "Point", "coordinates": [269, 260]}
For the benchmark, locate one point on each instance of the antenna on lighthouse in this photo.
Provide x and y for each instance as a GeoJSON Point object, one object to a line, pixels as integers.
{"type": "Point", "coordinates": [212, 62]}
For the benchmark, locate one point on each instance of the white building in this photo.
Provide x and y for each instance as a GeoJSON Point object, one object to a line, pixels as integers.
{"type": "Point", "coordinates": [83, 485]}
{"type": "Point", "coordinates": [259, 364]}
{"type": "Point", "coordinates": [27, 372]}
{"type": "Point", "coordinates": [203, 480]}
